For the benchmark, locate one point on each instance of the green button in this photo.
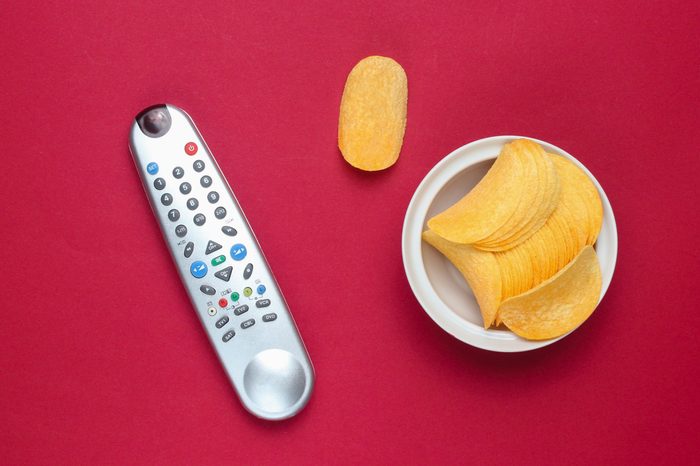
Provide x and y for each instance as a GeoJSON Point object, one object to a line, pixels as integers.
{"type": "Point", "coordinates": [218, 260]}
{"type": "Point", "coordinates": [235, 296]}
{"type": "Point", "coordinates": [247, 291]}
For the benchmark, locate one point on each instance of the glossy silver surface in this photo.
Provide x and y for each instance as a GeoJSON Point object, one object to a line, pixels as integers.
{"type": "Point", "coordinates": [267, 363]}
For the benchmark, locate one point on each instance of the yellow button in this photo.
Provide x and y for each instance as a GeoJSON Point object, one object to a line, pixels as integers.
{"type": "Point", "coordinates": [247, 291]}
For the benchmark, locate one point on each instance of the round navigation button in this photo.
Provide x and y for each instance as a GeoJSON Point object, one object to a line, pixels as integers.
{"type": "Point", "coordinates": [198, 269]}
{"type": "Point", "coordinates": [190, 148]}
{"type": "Point", "coordinates": [238, 252]}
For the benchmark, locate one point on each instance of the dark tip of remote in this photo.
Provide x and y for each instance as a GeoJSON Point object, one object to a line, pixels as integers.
{"type": "Point", "coordinates": [154, 121]}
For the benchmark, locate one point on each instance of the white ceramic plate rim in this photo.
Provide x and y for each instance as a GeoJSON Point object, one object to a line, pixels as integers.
{"type": "Point", "coordinates": [411, 245]}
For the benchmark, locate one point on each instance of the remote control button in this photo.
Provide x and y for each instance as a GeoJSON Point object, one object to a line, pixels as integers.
{"type": "Point", "coordinates": [173, 215]}
{"type": "Point", "coordinates": [247, 291]}
{"type": "Point", "coordinates": [230, 231]}
{"type": "Point", "coordinates": [198, 269]}
{"type": "Point", "coordinates": [154, 121]}
{"type": "Point", "coordinates": [191, 148]}
{"type": "Point", "coordinates": [238, 252]}
{"type": "Point", "coordinates": [241, 310]}
{"type": "Point", "coordinates": [247, 323]}
{"type": "Point", "coordinates": [192, 203]}
{"type": "Point", "coordinates": [152, 168]}
{"type": "Point", "coordinates": [212, 246]}
{"type": "Point", "coordinates": [199, 219]}
{"type": "Point", "coordinates": [166, 199]}
{"type": "Point", "coordinates": [189, 249]}
{"type": "Point", "coordinates": [218, 260]}
{"type": "Point", "coordinates": [224, 274]}
{"type": "Point", "coordinates": [228, 335]}
{"type": "Point", "coordinates": [211, 311]}
{"type": "Point", "coordinates": [180, 230]}
{"type": "Point", "coordinates": [262, 303]}
{"type": "Point", "coordinates": [206, 289]}
{"type": "Point", "coordinates": [198, 166]}
{"type": "Point", "coordinates": [248, 271]}
{"type": "Point", "coordinates": [235, 296]}
{"type": "Point", "coordinates": [221, 322]}
{"type": "Point", "coordinates": [185, 188]}
{"type": "Point", "coordinates": [223, 302]}
{"type": "Point", "coordinates": [220, 213]}
{"type": "Point", "coordinates": [261, 289]}
{"type": "Point", "coordinates": [159, 183]}
{"type": "Point", "coordinates": [178, 172]}
{"type": "Point", "coordinates": [213, 197]}
{"type": "Point", "coordinates": [269, 317]}
{"type": "Point", "coordinates": [205, 181]}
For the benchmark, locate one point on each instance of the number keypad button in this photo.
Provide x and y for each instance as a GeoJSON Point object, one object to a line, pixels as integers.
{"type": "Point", "coordinates": [192, 203]}
{"type": "Point", "coordinates": [220, 213]}
{"type": "Point", "coordinates": [198, 166]}
{"type": "Point", "coordinates": [213, 197]}
{"type": "Point", "coordinates": [180, 230]}
{"type": "Point", "coordinates": [178, 172]}
{"type": "Point", "coordinates": [185, 188]}
{"type": "Point", "coordinates": [199, 220]}
{"type": "Point", "coordinates": [159, 183]}
{"type": "Point", "coordinates": [173, 215]}
{"type": "Point", "coordinates": [166, 199]}
{"type": "Point", "coordinates": [205, 181]}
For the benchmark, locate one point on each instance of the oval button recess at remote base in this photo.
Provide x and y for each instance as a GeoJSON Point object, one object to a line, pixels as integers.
{"type": "Point", "coordinates": [221, 265]}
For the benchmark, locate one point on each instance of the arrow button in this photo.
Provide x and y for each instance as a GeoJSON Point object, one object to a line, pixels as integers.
{"type": "Point", "coordinates": [224, 274]}
{"type": "Point", "coordinates": [212, 246]}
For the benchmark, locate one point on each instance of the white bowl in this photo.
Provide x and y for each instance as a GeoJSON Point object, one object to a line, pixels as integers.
{"type": "Point", "coordinates": [437, 284]}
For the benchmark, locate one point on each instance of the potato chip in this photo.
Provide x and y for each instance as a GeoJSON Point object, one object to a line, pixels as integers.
{"type": "Point", "coordinates": [486, 207]}
{"type": "Point", "coordinates": [557, 305]}
{"type": "Point", "coordinates": [479, 268]}
{"type": "Point", "coordinates": [538, 209]}
{"type": "Point", "coordinates": [583, 198]}
{"type": "Point", "coordinates": [523, 209]}
{"type": "Point", "coordinates": [373, 114]}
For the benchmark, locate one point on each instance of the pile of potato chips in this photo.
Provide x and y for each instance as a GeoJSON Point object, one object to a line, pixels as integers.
{"type": "Point", "coordinates": [522, 238]}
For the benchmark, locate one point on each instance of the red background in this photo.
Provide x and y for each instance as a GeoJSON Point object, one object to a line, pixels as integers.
{"type": "Point", "coordinates": [104, 361]}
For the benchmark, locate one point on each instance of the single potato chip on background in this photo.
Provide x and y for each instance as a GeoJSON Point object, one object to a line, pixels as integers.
{"type": "Point", "coordinates": [373, 114]}
{"type": "Point", "coordinates": [559, 304]}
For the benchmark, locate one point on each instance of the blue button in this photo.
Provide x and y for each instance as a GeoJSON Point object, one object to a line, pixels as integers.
{"type": "Point", "coordinates": [238, 252]}
{"type": "Point", "coordinates": [198, 269]}
{"type": "Point", "coordinates": [152, 168]}
{"type": "Point", "coordinates": [261, 289]}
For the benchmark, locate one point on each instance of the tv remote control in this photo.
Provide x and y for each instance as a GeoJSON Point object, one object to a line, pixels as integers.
{"type": "Point", "coordinates": [221, 264]}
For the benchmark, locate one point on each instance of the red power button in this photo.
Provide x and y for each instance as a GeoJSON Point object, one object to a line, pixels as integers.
{"type": "Point", "coordinates": [191, 148]}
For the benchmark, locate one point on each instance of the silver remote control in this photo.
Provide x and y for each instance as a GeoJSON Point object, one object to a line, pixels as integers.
{"type": "Point", "coordinates": [221, 265]}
